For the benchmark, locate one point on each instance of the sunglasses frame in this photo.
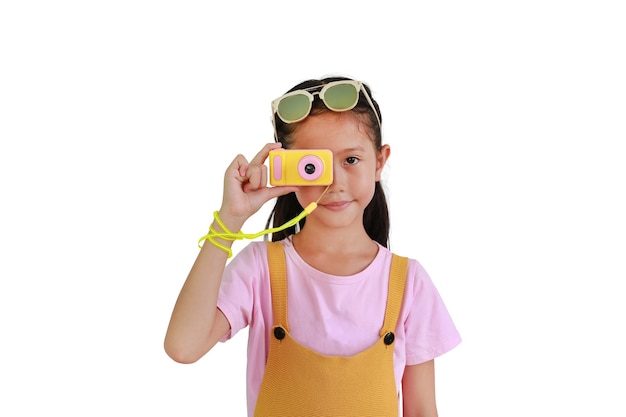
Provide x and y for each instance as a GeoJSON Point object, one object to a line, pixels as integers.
{"type": "Point", "coordinates": [358, 85]}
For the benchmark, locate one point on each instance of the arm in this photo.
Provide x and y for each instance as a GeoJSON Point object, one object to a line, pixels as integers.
{"type": "Point", "coordinates": [196, 323]}
{"type": "Point", "coordinates": [418, 390]}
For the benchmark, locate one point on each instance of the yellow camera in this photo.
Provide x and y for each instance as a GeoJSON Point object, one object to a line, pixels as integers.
{"type": "Point", "coordinates": [301, 167]}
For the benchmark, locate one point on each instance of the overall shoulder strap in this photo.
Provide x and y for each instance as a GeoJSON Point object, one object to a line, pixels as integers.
{"type": "Point", "coordinates": [397, 282]}
{"type": "Point", "coordinates": [278, 283]}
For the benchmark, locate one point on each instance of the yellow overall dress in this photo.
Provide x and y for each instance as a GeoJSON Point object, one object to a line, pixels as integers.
{"type": "Point", "coordinates": [299, 382]}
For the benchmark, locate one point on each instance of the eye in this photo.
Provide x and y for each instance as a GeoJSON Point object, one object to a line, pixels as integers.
{"type": "Point", "coordinates": [352, 160]}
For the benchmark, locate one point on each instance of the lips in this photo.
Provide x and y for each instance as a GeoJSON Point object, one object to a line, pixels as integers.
{"type": "Point", "coordinates": [337, 205]}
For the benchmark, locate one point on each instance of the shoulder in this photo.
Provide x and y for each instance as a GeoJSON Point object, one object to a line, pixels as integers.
{"type": "Point", "coordinates": [252, 249]}
{"type": "Point", "coordinates": [415, 271]}
{"type": "Point", "coordinates": [249, 260]}
{"type": "Point", "coordinates": [419, 288]}
{"type": "Point", "coordinates": [253, 256]}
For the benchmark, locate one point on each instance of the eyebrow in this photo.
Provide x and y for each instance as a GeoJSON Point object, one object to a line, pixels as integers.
{"type": "Point", "coordinates": [352, 149]}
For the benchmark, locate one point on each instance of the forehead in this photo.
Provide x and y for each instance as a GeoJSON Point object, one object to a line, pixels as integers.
{"type": "Point", "coordinates": [329, 129]}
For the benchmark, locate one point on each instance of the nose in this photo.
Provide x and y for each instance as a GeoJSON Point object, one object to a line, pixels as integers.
{"type": "Point", "coordinates": [339, 177]}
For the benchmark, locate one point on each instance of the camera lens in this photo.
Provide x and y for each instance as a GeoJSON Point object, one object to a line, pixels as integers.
{"type": "Point", "coordinates": [310, 167]}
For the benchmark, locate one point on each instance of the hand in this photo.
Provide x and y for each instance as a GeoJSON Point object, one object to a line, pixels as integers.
{"type": "Point", "coordinates": [245, 188]}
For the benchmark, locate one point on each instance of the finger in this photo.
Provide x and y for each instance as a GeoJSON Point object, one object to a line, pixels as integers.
{"type": "Point", "coordinates": [254, 179]}
{"type": "Point", "coordinates": [264, 175]}
{"type": "Point", "coordinates": [274, 192]}
{"type": "Point", "coordinates": [260, 158]}
{"type": "Point", "coordinates": [238, 167]}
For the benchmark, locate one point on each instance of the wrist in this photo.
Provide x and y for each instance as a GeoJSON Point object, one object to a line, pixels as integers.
{"type": "Point", "coordinates": [220, 235]}
{"type": "Point", "coordinates": [225, 218]}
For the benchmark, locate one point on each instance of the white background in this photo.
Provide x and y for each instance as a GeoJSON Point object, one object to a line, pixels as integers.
{"type": "Point", "coordinates": [506, 181]}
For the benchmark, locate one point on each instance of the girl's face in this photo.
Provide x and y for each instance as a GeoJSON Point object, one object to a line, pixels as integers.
{"type": "Point", "coordinates": [357, 165]}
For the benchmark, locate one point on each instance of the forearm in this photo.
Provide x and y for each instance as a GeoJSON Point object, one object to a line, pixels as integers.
{"type": "Point", "coordinates": [418, 390]}
{"type": "Point", "coordinates": [189, 335]}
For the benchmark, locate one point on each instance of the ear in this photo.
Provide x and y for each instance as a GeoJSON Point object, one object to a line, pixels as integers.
{"type": "Point", "coordinates": [381, 160]}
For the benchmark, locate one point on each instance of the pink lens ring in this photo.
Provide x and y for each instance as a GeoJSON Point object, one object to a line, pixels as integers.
{"type": "Point", "coordinates": [310, 167]}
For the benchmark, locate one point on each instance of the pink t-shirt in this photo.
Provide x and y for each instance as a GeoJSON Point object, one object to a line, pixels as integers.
{"type": "Point", "coordinates": [333, 315]}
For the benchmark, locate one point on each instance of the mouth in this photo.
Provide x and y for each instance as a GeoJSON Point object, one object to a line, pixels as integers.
{"type": "Point", "coordinates": [336, 205]}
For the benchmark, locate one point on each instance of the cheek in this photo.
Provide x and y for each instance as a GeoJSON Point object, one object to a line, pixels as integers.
{"type": "Point", "coordinates": [370, 186]}
{"type": "Point", "coordinates": [307, 195]}
{"type": "Point", "coordinates": [368, 175]}
{"type": "Point", "coordinates": [367, 184]}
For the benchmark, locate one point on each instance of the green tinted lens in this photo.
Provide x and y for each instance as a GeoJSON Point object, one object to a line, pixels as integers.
{"type": "Point", "coordinates": [341, 97]}
{"type": "Point", "coordinates": [294, 107]}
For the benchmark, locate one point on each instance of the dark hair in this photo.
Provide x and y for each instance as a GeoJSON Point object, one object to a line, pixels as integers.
{"type": "Point", "coordinates": [376, 215]}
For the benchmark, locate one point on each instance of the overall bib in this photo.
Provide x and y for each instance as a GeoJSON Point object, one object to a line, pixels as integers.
{"type": "Point", "coordinates": [300, 382]}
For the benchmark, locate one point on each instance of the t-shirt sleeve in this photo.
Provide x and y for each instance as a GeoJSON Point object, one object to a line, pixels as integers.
{"type": "Point", "coordinates": [430, 331]}
{"type": "Point", "coordinates": [238, 288]}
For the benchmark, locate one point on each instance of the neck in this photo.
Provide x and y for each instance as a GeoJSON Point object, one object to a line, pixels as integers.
{"type": "Point", "coordinates": [333, 240]}
{"type": "Point", "coordinates": [339, 253]}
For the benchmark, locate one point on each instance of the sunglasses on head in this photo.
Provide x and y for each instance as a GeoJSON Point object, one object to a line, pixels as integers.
{"type": "Point", "coordinates": [337, 96]}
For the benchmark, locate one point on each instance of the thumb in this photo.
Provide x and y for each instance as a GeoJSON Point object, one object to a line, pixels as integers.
{"type": "Point", "coordinates": [274, 192]}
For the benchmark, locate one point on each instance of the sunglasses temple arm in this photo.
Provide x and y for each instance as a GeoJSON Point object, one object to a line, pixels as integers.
{"type": "Point", "coordinates": [274, 125]}
{"type": "Point", "coordinates": [369, 100]}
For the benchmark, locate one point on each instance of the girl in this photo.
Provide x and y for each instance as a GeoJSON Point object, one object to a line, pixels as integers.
{"type": "Point", "coordinates": [338, 325]}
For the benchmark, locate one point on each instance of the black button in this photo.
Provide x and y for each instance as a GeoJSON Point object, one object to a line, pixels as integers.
{"type": "Point", "coordinates": [279, 333]}
{"type": "Point", "coordinates": [389, 338]}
